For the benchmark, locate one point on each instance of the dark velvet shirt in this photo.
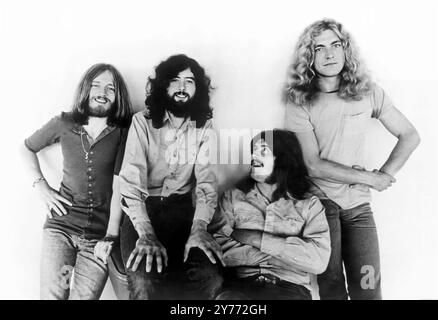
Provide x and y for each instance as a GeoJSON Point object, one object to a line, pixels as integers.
{"type": "Point", "coordinates": [87, 181]}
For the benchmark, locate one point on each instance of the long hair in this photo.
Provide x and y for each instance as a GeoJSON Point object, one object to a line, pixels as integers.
{"type": "Point", "coordinates": [156, 90]}
{"type": "Point", "coordinates": [302, 84]}
{"type": "Point", "coordinates": [121, 110]}
{"type": "Point", "coordinates": [289, 173]}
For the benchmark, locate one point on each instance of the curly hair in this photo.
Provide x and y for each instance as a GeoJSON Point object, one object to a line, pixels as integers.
{"type": "Point", "coordinates": [301, 86]}
{"type": "Point", "coordinates": [121, 110]}
{"type": "Point", "coordinates": [156, 90]}
{"type": "Point", "coordinates": [289, 173]}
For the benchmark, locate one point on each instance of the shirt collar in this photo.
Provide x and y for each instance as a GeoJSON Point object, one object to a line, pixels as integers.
{"type": "Point", "coordinates": [187, 122]}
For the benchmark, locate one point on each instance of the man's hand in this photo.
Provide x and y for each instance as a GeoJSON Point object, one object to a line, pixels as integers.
{"type": "Point", "coordinates": [378, 180]}
{"type": "Point", "coordinates": [200, 238]}
{"type": "Point", "coordinates": [52, 199]}
{"type": "Point", "coordinates": [381, 180]}
{"type": "Point", "coordinates": [148, 245]}
{"type": "Point", "coordinates": [102, 250]}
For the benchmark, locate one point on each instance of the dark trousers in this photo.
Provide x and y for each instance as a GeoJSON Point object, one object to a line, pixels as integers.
{"type": "Point", "coordinates": [197, 278]}
{"type": "Point", "coordinates": [355, 245]}
{"type": "Point", "coordinates": [253, 288]}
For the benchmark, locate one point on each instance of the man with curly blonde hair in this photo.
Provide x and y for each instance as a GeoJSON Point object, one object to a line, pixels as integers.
{"type": "Point", "coordinates": [331, 101]}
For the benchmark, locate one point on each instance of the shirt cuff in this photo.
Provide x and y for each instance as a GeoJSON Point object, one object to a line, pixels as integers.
{"type": "Point", "coordinates": [136, 210]}
{"type": "Point", "coordinates": [203, 212]}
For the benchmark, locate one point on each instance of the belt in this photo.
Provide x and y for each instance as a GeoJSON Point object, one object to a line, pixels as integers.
{"type": "Point", "coordinates": [270, 279]}
{"type": "Point", "coordinates": [172, 198]}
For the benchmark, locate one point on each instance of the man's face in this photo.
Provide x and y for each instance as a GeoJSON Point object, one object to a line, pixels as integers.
{"type": "Point", "coordinates": [329, 54]}
{"type": "Point", "coordinates": [262, 161]}
{"type": "Point", "coordinates": [182, 88]}
{"type": "Point", "coordinates": [102, 95]}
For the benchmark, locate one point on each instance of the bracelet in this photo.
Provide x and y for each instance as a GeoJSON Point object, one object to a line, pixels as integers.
{"type": "Point", "coordinates": [38, 180]}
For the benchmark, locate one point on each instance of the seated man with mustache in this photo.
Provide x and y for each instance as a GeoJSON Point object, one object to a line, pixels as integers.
{"type": "Point", "coordinates": [275, 235]}
{"type": "Point", "coordinates": [165, 244]}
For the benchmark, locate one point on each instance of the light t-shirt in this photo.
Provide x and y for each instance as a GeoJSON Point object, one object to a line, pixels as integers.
{"type": "Point", "coordinates": [340, 127]}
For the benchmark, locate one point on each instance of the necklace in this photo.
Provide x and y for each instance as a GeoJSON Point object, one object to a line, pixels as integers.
{"type": "Point", "coordinates": [83, 146]}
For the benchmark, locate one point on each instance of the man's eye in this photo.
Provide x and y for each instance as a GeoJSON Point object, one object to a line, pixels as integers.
{"type": "Point", "coordinates": [112, 89]}
{"type": "Point", "coordinates": [337, 45]}
{"type": "Point", "coordinates": [318, 49]}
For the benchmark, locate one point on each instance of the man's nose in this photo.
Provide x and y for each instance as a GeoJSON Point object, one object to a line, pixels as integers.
{"type": "Point", "coordinates": [329, 53]}
{"type": "Point", "coordinates": [181, 85]}
{"type": "Point", "coordinates": [102, 91]}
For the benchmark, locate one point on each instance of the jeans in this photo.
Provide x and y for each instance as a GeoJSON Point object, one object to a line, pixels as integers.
{"type": "Point", "coordinates": [197, 278]}
{"type": "Point", "coordinates": [69, 269]}
{"type": "Point", "coordinates": [257, 288]}
{"type": "Point", "coordinates": [355, 245]}
{"type": "Point", "coordinates": [117, 274]}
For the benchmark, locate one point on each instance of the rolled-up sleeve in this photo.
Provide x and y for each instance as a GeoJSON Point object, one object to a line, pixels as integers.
{"type": "Point", "coordinates": [134, 171]}
{"type": "Point", "coordinates": [235, 253]}
{"type": "Point", "coordinates": [206, 178]}
{"type": "Point", "coordinates": [309, 252]}
{"type": "Point", "coordinates": [297, 119]}
{"type": "Point", "coordinates": [47, 135]}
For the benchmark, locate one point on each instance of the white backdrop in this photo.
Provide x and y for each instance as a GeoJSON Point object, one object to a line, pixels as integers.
{"type": "Point", "coordinates": [245, 47]}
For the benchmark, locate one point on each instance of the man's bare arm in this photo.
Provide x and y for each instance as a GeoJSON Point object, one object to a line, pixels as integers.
{"type": "Point", "coordinates": [326, 169]}
{"type": "Point", "coordinates": [408, 140]}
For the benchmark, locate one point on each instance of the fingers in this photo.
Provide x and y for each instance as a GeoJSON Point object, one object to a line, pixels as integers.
{"type": "Point", "coordinates": [209, 254]}
{"type": "Point", "coordinates": [137, 261]}
{"type": "Point", "coordinates": [164, 254]}
{"type": "Point", "coordinates": [62, 199]}
{"type": "Point", "coordinates": [216, 249]}
{"type": "Point", "coordinates": [131, 257]}
{"type": "Point", "coordinates": [159, 263]}
{"type": "Point", "coordinates": [57, 211]}
{"type": "Point", "coordinates": [60, 206]}
{"type": "Point", "coordinates": [106, 251]}
{"type": "Point", "coordinates": [186, 253]}
{"type": "Point", "coordinates": [149, 260]}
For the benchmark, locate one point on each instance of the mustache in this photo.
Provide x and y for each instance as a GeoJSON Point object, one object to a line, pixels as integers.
{"type": "Point", "coordinates": [254, 162]}
{"type": "Point", "coordinates": [182, 93]}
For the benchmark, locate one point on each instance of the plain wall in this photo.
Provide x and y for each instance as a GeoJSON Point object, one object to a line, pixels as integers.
{"type": "Point", "coordinates": [245, 47]}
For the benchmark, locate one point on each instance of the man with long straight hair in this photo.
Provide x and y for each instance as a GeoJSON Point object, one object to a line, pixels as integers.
{"type": "Point", "coordinates": [165, 243]}
{"type": "Point", "coordinates": [78, 234]}
{"type": "Point", "coordinates": [331, 101]}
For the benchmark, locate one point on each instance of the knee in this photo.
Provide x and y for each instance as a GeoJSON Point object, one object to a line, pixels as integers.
{"type": "Point", "coordinates": [231, 295]}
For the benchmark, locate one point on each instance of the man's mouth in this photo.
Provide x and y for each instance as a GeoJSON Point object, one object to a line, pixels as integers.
{"type": "Point", "coordinates": [102, 100]}
{"type": "Point", "coordinates": [181, 95]}
{"type": "Point", "coordinates": [256, 164]}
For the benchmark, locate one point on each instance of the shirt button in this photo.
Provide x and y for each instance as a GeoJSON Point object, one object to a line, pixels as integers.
{"type": "Point", "coordinates": [89, 169]}
{"type": "Point", "coordinates": [89, 184]}
{"type": "Point", "coordinates": [89, 177]}
{"type": "Point", "coordinates": [91, 152]}
{"type": "Point", "coordinates": [89, 192]}
{"type": "Point", "coordinates": [91, 161]}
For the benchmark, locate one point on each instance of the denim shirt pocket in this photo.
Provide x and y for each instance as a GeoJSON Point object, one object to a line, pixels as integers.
{"type": "Point", "coordinates": [284, 219]}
